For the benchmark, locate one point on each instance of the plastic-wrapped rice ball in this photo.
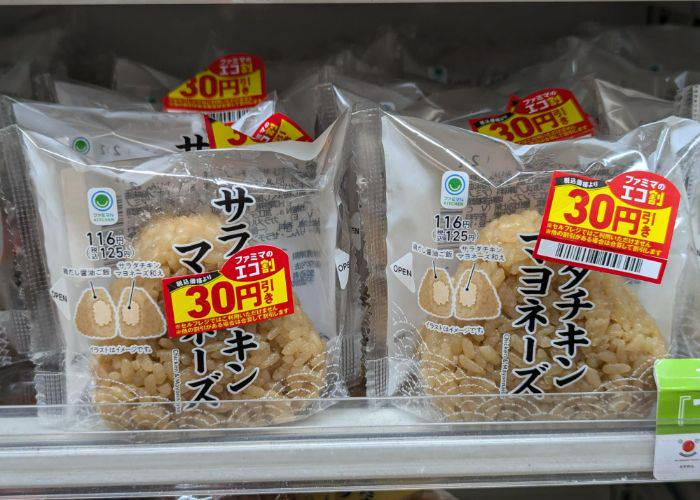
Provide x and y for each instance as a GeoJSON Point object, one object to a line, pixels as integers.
{"type": "Point", "coordinates": [624, 339]}
{"type": "Point", "coordinates": [289, 361]}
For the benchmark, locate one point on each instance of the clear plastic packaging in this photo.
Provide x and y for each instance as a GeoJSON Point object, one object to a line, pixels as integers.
{"type": "Point", "coordinates": [317, 99]}
{"type": "Point", "coordinates": [108, 135]}
{"type": "Point", "coordinates": [149, 85]}
{"type": "Point", "coordinates": [250, 122]}
{"type": "Point", "coordinates": [97, 135]}
{"type": "Point", "coordinates": [656, 48]}
{"type": "Point", "coordinates": [573, 69]}
{"type": "Point", "coordinates": [620, 110]}
{"type": "Point", "coordinates": [457, 106]}
{"type": "Point", "coordinates": [267, 122]}
{"type": "Point", "coordinates": [380, 60]}
{"type": "Point", "coordinates": [112, 135]}
{"type": "Point", "coordinates": [141, 82]}
{"type": "Point", "coordinates": [584, 59]}
{"type": "Point", "coordinates": [444, 314]}
{"type": "Point", "coordinates": [48, 88]}
{"type": "Point", "coordinates": [91, 346]}
{"type": "Point", "coordinates": [316, 102]}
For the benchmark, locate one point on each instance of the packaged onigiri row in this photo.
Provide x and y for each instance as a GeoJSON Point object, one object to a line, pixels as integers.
{"type": "Point", "coordinates": [215, 251]}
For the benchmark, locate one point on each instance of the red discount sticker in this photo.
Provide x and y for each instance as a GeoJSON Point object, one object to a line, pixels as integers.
{"type": "Point", "coordinates": [277, 127]}
{"type": "Point", "coordinates": [623, 226]}
{"type": "Point", "coordinates": [222, 136]}
{"type": "Point", "coordinates": [280, 127]}
{"type": "Point", "coordinates": [544, 116]}
{"type": "Point", "coordinates": [231, 82]}
{"type": "Point", "coordinates": [253, 285]}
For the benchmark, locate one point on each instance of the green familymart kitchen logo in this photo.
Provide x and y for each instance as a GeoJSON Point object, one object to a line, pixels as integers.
{"type": "Point", "coordinates": [102, 206]}
{"type": "Point", "coordinates": [454, 190]}
{"type": "Point", "coordinates": [81, 145]}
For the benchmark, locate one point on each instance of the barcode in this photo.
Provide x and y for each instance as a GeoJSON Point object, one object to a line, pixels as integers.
{"type": "Point", "coordinates": [598, 258]}
{"type": "Point", "coordinates": [229, 116]}
{"type": "Point", "coordinates": [636, 266]}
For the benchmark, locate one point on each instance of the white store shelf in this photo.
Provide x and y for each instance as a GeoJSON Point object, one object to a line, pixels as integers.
{"type": "Point", "coordinates": [353, 445]}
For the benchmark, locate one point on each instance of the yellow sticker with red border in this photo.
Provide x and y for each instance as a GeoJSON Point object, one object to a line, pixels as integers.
{"type": "Point", "coordinates": [253, 285]}
{"type": "Point", "coordinates": [280, 127]}
{"type": "Point", "coordinates": [230, 82]}
{"type": "Point", "coordinates": [544, 116]}
{"type": "Point", "coordinates": [222, 136]}
{"type": "Point", "coordinates": [277, 127]}
{"type": "Point", "coordinates": [623, 226]}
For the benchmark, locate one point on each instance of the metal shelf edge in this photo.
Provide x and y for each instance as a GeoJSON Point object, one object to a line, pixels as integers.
{"type": "Point", "coordinates": [401, 461]}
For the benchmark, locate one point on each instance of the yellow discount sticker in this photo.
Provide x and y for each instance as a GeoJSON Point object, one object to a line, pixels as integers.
{"type": "Point", "coordinates": [253, 285]}
{"type": "Point", "coordinates": [623, 226]}
{"type": "Point", "coordinates": [277, 127]}
{"type": "Point", "coordinates": [280, 127]}
{"type": "Point", "coordinates": [544, 116]}
{"type": "Point", "coordinates": [222, 136]}
{"type": "Point", "coordinates": [230, 82]}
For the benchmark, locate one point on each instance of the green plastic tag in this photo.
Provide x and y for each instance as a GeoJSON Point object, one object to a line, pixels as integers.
{"type": "Point", "coordinates": [677, 451]}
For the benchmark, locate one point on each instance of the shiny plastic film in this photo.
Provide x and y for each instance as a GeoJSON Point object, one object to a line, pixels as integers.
{"type": "Point", "coordinates": [582, 59]}
{"type": "Point", "coordinates": [315, 102]}
{"type": "Point", "coordinates": [109, 235]}
{"type": "Point", "coordinates": [620, 110]}
{"type": "Point", "coordinates": [14, 323]}
{"type": "Point", "coordinates": [48, 88]}
{"type": "Point", "coordinates": [251, 121]}
{"type": "Point", "coordinates": [455, 305]}
{"type": "Point", "coordinates": [456, 106]}
{"type": "Point", "coordinates": [99, 134]}
{"type": "Point", "coordinates": [317, 99]}
{"type": "Point", "coordinates": [106, 134]}
{"type": "Point", "coordinates": [141, 82]}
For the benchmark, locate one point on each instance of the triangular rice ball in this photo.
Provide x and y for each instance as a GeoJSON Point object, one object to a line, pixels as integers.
{"type": "Point", "coordinates": [95, 314]}
{"type": "Point", "coordinates": [435, 295]}
{"type": "Point", "coordinates": [479, 301]}
{"type": "Point", "coordinates": [139, 316]}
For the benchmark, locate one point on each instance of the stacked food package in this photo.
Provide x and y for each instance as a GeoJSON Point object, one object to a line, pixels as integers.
{"type": "Point", "coordinates": [253, 241]}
